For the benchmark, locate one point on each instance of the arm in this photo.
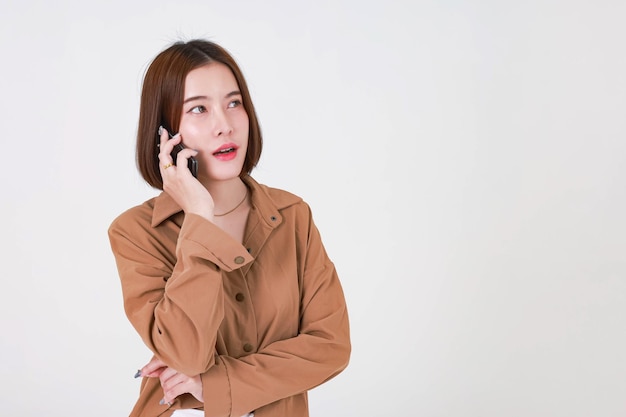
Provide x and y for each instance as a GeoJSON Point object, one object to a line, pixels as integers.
{"type": "Point", "coordinates": [320, 350]}
{"type": "Point", "coordinates": [173, 299]}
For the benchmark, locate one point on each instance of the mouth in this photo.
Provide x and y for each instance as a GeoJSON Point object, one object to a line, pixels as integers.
{"type": "Point", "coordinates": [225, 150]}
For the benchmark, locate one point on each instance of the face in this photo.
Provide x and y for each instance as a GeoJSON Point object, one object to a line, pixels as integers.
{"type": "Point", "coordinates": [214, 122]}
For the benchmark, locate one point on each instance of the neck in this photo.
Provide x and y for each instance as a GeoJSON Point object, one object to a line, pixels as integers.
{"type": "Point", "coordinates": [226, 194]}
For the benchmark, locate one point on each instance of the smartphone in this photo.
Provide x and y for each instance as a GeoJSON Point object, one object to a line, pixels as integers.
{"type": "Point", "coordinates": [192, 163]}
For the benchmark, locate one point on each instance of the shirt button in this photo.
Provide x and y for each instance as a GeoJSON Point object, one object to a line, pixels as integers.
{"type": "Point", "coordinates": [247, 347]}
{"type": "Point", "coordinates": [273, 218]}
{"type": "Point", "coordinates": [239, 297]}
{"type": "Point", "coordinates": [239, 260]}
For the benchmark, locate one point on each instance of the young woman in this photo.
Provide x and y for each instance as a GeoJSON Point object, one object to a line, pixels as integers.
{"type": "Point", "coordinates": [226, 280]}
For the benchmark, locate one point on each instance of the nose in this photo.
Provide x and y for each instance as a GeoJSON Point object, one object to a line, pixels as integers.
{"type": "Point", "coordinates": [222, 126]}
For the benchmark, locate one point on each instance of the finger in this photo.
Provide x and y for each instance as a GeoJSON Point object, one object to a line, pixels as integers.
{"type": "Point", "coordinates": [175, 386]}
{"type": "Point", "coordinates": [164, 135]}
{"type": "Point", "coordinates": [166, 146]}
{"type": "Point", "coordinates": [183, 157]}
{"type": "Point", "coordinates": [156, 373]}
{"type": "Point", "coordinates": [153, 368]}
{"type": "Point", "coordinates": [166, 375]}
{"type": "Point", "coordinates": [163, 402]}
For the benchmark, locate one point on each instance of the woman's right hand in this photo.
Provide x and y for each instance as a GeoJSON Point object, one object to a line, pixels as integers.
{"type": "Point", "coordinates": [186, 190]}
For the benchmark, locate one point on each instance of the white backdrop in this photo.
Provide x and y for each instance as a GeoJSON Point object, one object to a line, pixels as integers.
{"type": "Point", "coordinates": [465, 162]}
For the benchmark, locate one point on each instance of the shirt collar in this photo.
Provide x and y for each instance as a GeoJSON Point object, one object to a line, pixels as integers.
{"type": "Point", "coordinates": [267, 201]}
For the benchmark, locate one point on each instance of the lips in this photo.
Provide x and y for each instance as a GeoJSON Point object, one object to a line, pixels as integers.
{"type": "Point", "coordinates": [226, 152]}
{"type": "Point", "coordinates": [225, 148]}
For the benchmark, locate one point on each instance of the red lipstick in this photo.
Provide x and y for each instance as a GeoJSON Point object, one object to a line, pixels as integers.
{"type": "Point", "coordinates": [226, 152]}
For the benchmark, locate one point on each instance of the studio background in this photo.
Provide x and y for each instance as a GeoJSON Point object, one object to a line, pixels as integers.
{"type": "Point", "coordinates": [464, 160]}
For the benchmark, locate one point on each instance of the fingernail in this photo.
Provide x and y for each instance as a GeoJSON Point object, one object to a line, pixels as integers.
{"type": "Point", "coordinates": [138, 374]}
{"type": "Point", "coordinates": [160, 130]}
{"type": "Point", "coordinates": [175, 136]}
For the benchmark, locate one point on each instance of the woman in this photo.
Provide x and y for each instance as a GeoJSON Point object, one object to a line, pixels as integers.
{"type": "Point", "coordinates": [226, 280]}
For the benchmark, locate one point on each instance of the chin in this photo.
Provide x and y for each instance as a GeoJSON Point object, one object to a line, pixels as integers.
{"type": "Point", "coordinates": [224, 176]}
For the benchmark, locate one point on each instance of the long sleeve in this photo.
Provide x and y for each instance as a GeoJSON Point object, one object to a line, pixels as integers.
{"type": "Point", "coordinates": [261, 322]}
{"type": "Point", "coordinates": [285, 368]}
{"type": "Point", "coordinates": [172, 288]}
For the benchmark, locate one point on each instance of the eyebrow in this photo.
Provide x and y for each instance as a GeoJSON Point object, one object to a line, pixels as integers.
{"type": "Point", "coordinates": [231, 94]}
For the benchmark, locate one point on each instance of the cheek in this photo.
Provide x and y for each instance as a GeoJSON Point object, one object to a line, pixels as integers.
{"type": "Point", "coordinates": [190, 126]}
{"type": "Point", "coordinates": [242, 120]}
{"type": "Point", "coordinates": [245, 131]}
{"type": "Point", "coordinates": [191, 132]}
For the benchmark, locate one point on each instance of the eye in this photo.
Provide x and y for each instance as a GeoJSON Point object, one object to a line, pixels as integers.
{"type": "Point", "coordinates": [197, 110]}
{"type": "Point", "coordinates": [234, 103]}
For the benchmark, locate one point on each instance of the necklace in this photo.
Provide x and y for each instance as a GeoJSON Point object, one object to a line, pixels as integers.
{"type": "Point", "coordinates": [234, 208]}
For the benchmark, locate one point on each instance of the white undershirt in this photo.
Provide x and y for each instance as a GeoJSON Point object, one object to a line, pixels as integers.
{"type": "Point", "coordinates": [197, 413]}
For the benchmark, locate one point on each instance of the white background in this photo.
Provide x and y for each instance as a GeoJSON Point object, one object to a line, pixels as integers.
{"type": "Point", "coordinates": [465, 162]}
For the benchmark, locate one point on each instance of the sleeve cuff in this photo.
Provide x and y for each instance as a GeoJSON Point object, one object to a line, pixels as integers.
{"type": "Point", "coordinates": [223, 249]}
{"type": "Point", "coordinates": [216, 390]}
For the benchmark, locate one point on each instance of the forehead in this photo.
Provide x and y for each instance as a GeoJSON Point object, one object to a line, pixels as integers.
{"type": "Point", "coordinates": [210, 79]}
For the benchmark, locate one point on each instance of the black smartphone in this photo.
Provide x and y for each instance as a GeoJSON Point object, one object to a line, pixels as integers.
{"type": "Point", "coordinates": [192, 163]}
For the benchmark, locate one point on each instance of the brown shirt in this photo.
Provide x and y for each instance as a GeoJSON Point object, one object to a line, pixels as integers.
{"type": "Point", "coordinates": [261, 322]}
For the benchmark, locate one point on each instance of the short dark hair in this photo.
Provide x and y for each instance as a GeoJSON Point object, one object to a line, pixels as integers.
{"type": "Point", "coordinates": [162, 97]}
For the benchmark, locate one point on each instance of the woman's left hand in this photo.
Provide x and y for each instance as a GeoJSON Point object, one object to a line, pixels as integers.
{"type": "Point", "coordinates": [173, 382]}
